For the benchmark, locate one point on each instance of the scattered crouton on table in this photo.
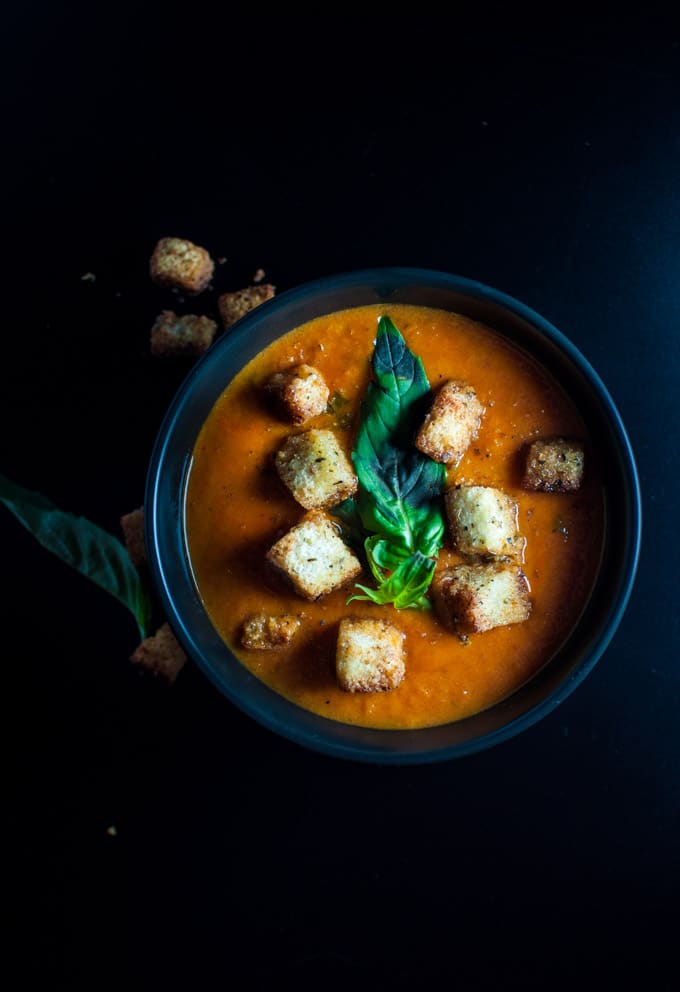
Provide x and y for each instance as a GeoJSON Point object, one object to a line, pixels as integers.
{"type": "Point", "coordinates": [478, 597]}
{"type": "Point", "coordinates": [180, 264]}
{"type": "Point", "coordinates": [300, 391]}
{"type": "Point", "coordinates": [160, 655]}
{"type": "Point", "coordinates": [483, 521]}
{"type": "Point", "coordinates": [314, 557]}
{"type": "Point", "coordinates": [233, 306]}
{"type": "Point", "coordinates": [315, 469]}
{"type": "Point", "coordinates": [132, 525]}
{"type": "Point", "coordinates": [553, 466]}
{"type": "Point", "coordinates": [187, 335]}
{"type": "Point", "coordinates": [369, 655]}
{"type": "Point", "coordinates": [451, 423]}
{"type": "Point", "coordinates": [263, 632]}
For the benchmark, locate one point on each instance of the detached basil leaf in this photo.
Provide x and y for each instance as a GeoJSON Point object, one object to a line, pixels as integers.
{"type": "Point", "coordinates": [399, 498]}
{"type": "Point", "coordinates": [78, 542]}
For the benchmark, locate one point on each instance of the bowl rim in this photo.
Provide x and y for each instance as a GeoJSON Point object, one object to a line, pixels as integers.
{"type": "Point", "coordinates": [268, 708]}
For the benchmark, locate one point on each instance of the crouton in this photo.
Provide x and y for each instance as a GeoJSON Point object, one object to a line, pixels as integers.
{"type": "Point", "coordinates": [180, 264]}
{"type": "Point", "coordinates": [451, 423]}
{"type": "Point", "coordinates": [233, 306]}
{"type": "Point", "coordinates": [316, 469]}
{"type": "Point", "coordinates": [300, 391]}
{"type": "Point", "coordinates": [160, 655]}
{"type": "Point", "coordinates": [369, 655]}
{"type": "Point", "coordinates": [314, 557]}
{"type": "Point", "coordinates": [554, 465]}
{"type": "Point", "coordinates": [188, 335]}
{"type": "Point", "coordinates": [483, 521]}
{"type": "Point", "coordinates": [132, 525]}
{"type": "Point", "coordinates": [263, 633]}
{"type": "Point", "coordinates": [479, 597]}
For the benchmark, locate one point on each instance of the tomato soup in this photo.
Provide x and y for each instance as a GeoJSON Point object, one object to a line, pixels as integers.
{"type": "Point", "coordinates": [237, 508]}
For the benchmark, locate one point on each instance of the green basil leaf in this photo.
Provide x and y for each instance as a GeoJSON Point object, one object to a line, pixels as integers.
{"type": "Point", "coordinates": [383, 553]}
{"type": "Point", "coordinates": [400, 487]}
{"type": "Point", "coordinates": [398, 505]}
{"type": "Point", "coordinates": [406, 586]}
{"type": "Point", "coordinates": [92, 551]}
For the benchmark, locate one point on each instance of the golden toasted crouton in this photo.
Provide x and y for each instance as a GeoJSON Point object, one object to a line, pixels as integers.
{"type": "Point", "coordinates": [188, 335]}
{"type": "Point", "coordinates": [554, 466]}
{"type": "Point", "coordinates": [262, 632]}
{"type": "Point", "coordinates": [233, 306]}
{"type": "Point", "coordinates": [300, 391]}
{"type": "Point", "coordinates": [483, 521]}
{"type": "Point", "coordinates": [475, 598]}
{"type": "Point", "coordinates": [160, 655]}
{"type": "Point", "coordinates": [316, 469]}
{"type": "Point", "coordinates": [314, 557]}
{"type": "Point", "coordinates": [180, 264]}
{"type": "Point", "coordinates": [369, 655]}
{"type": "Point", "coordinates": [451, 423]}
{"type": "Point", "coordinates": [132, 525]}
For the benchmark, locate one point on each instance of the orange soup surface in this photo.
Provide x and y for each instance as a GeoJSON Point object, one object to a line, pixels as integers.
{"type": "Point", "coordinates": [237, 508]}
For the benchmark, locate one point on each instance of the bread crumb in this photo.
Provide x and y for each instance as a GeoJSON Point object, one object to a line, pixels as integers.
{"type": "Point", "coordinates": [369, 655]}
{"type": "Point", "coordinates": [314, 557]}
{"type": "Point", "coordinates": [180, 264]}
{"type": "Point", "coordinates": [474, 598]}
{"type": "Point", "coordinates": [484, 521]}
{"type": "Point", "coordinates": [160, 655]}
{"type": "Point", "coordinates": [300, 392]}
{"type": "Point", "coordinates": [554, 465]}
{"type": "Point", "coordinates": [233, 306]}
{"type": "Point", "coordinates": [262, 632]}
{"type": "Point", "coordinates": [132, 525]}
{"type": "Point", "coordinates": [187, 335]}
{"type": "Point", "coordinates": [451, 423]}
{"type": "Point", "coordinates": [259, 275]}
{"type": "Point", "coordinates": [315, 468]}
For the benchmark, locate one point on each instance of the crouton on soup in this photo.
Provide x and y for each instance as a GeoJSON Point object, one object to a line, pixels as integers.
{"type": "Point", "coordinates": [315, 468]}
{"type": "Point", "coordinates": [483, 521]}
{"type": "Point", "coordinates": [451, 423]}
{"type": "Point", "coordinates": [314, 557]}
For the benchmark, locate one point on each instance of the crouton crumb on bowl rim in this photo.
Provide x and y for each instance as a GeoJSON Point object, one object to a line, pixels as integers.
{"type": "Point", "coordinates": [171, 568]}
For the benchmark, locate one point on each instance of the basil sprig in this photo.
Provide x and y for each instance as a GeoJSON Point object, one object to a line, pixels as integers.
{"type": "Point", "coordinates": [398, 504]}
{"type": "Point", "coordinates": [78, 542]}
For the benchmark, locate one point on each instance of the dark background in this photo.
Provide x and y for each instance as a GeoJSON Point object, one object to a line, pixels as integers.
{"type": "Point", "coordinates": [541, 157]}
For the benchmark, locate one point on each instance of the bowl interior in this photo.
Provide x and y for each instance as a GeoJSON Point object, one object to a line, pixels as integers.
{"type": "Point", "coordinates": [171, 566]}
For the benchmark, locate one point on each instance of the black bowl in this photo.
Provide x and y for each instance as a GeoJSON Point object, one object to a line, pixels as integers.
{"type": "Point", "coordinates": [171, 567]}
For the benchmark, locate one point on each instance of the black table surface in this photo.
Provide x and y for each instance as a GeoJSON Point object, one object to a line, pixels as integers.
{"type": "Point", "coordinates": [157, 834]}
